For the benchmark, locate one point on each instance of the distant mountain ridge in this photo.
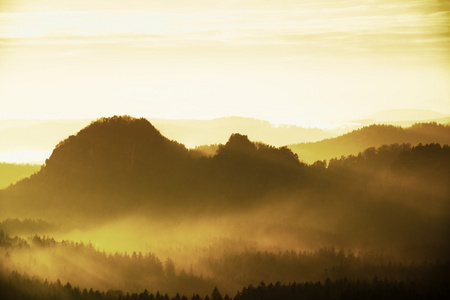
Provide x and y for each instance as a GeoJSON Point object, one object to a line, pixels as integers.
{"type": "Point", "coordinates": [201, 132]}
{"type": "Point", "coordinates": [404, 117]}
{"type": "Point", "coordinates": [401, 115]}
{"type": "Point", "coordinates": [371, 136]}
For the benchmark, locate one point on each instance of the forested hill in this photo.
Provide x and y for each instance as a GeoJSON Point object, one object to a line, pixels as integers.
{"type": "Point", "coordinates": [120, 166]}
{"type": "Point", "coordinates": [121, 147]}
{"type": "Point", "coordinates": [371, 136]}
{"type": "Point", "coordinates": [117, 164]}
{"type": "Point", "coordinates": [249, 213]}
{"type": "Point", "coordinates": [107, 168]}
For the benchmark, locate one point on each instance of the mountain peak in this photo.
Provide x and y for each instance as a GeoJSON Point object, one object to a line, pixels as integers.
{"type": "Point", "coordinates": [117, 125]}
{"type": "Point", "coordinates": [115, 143]}
{"type": "Point", "coordinates": [241, 143]}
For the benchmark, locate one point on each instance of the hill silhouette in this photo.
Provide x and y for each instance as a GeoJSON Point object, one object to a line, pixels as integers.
{"type": "Point", "coordinates": [120, 167]}
{"type": "Point", "coordinates": [122, 164]}
{"type": "Point", "coordinates": [371, 136]}
{"type": "Point", "coordinates": [34, 140]}
{"type": "Point", "coordinates": [117, 145]}
{"type": "Point", "coordinates": [242, 169]}
{"type": "Point", "coordinates": [248, 213]}
{"type": "Point", "coordinates": [109, 166]}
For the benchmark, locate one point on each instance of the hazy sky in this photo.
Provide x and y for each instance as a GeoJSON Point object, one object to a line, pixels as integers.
{"type": "Point", "coordinates": [286, 61]}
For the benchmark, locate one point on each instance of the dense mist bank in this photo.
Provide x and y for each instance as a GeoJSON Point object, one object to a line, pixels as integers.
{"type": "Point", "coordinates": [27, 227]}
{"type": "Point", "coordinates": [84, 266]}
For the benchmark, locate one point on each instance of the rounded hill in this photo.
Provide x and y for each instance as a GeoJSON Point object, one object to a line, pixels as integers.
{"type": "Point", "coordinates": [120, 144]}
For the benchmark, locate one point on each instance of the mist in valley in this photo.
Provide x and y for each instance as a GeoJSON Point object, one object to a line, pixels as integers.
{"type": "Point", "coordinates": [224, 150]}
{"type": "Point", "coordinates": [120, 207]}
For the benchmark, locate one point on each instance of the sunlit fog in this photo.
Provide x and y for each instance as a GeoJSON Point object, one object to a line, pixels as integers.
{"type": "Point", "coordinates": [218, 150]}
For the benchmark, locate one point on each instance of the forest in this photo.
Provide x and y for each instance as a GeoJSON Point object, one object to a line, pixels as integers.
{"type": "Point", "coordinates": [347, 275]}
{"type": "Point", "coordinates": [118, 211]}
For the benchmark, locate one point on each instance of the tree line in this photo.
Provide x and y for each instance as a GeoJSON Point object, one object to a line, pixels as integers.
{"type": "Point", "coordinates": [23, 287]}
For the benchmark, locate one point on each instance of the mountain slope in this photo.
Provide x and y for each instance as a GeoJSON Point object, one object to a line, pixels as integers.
{"type": "Point", "coordinates": [11, 173]}
{"type": "Point", "coordinates": [122, 169]}
{"type": "Point", "coordinates": [120, 165]}
{"type": "Point", "coordinates": [109, 166]}
{"type": "Point", "coordinates": [34, 139]}
{"type": "Point", "coordinates": [371, 136]}
{"type": "Point", "coordinates": [112, 145]}
{"type": "Point", "coordinates": [243, 170]}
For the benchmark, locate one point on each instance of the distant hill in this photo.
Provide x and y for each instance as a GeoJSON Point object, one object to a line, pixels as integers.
{"type": "Point", "coordinates": [11, 173]}
{"type": "Point", "coordinates": [204, 132]}
{"type": "Point", "coordinates": [405, 117]}
{"type": "Point", "coordinates": [371, 136]}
